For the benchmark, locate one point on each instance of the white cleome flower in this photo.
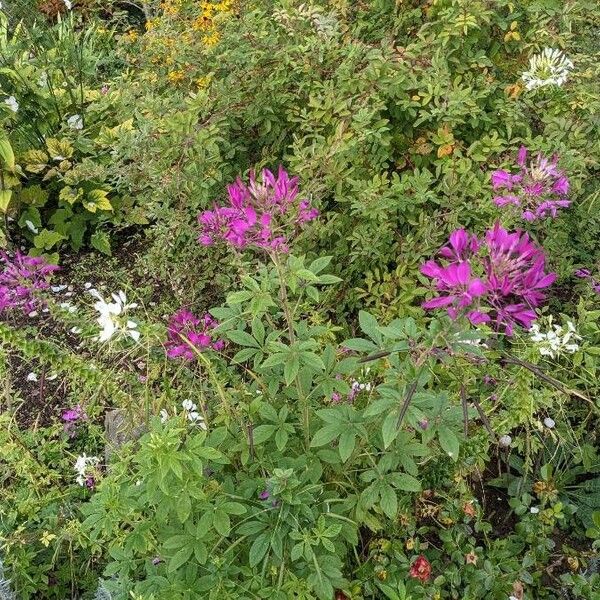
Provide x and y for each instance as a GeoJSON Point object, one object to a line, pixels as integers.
{"type": "Point", "coordinates": [556, 341]}
{"type": "Point", "coordinates": [112, 318]}
{"type": "Point", "coordinates": [549, 67]}
{"type": "Point", "coordinates": [75, 122]}
{"type": "Point", "coordinates": [192, 414]}
{"type": "Point", "coordinates": [81, 466]}
{"type": "Point", "coordinates": [12, 103]}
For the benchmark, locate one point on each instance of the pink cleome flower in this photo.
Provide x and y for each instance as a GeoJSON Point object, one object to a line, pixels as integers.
{"type": "Point", "coordinates": [186, 330]}
{"type": "Point", "coordinates": [21, 280]}
{"type": "Point", "coordinates": [497, 280]}
{"type": "Point", "coordinates": [539, 189]}
{"type": "Point", "coordinates": [258, 214]}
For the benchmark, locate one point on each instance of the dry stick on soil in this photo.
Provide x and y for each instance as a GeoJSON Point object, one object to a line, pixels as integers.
{"type": "Point", "coordinates": [511, 360]}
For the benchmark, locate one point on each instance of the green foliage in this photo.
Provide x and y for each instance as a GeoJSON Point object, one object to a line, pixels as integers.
{"type": "Point", "coordinates": [341, 433]}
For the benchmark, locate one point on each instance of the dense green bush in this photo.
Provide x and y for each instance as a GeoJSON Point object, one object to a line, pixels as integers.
{"type": "Point", "coordinates": [327, 437]}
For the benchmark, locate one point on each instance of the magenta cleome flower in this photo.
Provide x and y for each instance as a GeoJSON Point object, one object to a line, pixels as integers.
{"type": "Point", "coordinates": [259, 214]}
{"type": "Point", "coordinates": [21, 280]}
{"type": "Point", "coordinates": [499, 280]}
{"type": "Point", "coordinates": [186, 330]}
{"type": "Point", "coordinates": [587, 274]}
{"type": "Point", "coordinates": [539, 189]}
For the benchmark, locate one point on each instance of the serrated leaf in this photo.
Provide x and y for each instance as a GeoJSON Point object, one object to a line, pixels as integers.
{"type": "Point", "coordinates": [101, 242]}
{"type": "Point", "coordinates": [46, 239]}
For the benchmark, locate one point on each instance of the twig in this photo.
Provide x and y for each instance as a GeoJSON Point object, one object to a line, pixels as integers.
{"type": "Point", "coordinates": [465, 409]}
{"type": "Point", "coordinates": [511, 360]}
{"type": "Point", "coordinates": [409, 395]}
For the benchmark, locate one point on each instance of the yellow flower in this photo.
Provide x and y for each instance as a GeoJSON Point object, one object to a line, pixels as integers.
{"type": "Point", "coordinates": [176, 76]}
{"type": "Point", "coordinates": [410, 544]}
{"type": "Point", "coordinates": [202, 23]}
{"type": "Point", "coordinates": [131, 35]}
{"type": "Point", "coordinates": [211, 39]}
{"type": "Point", "coordinates": [46, 538]}
{"type": "Point", "coordinates": [202, 82]}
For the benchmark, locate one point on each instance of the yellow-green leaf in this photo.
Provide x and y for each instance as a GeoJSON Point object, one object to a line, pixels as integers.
{"type": "Point", "coordinates": [97, 200]}
{"type": "Point", "coordinates": [59, 149]}
{"type": "Point", "coordinates": [35, 161]}
{"type": "Point", "coordinates": [6, 154]}
{"type": "Point", "coordinates": [70, 195]}
{"type": "Point", "coordinates": [5, 196]}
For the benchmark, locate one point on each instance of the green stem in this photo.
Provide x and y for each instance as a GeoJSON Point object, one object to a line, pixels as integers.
{"type": "Point", "coordinates": [304, 402]}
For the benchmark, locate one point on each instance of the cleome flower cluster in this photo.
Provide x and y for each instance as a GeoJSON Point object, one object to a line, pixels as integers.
{"type": "Point", "coordinates": [548, 68]}
{"type": "Point", "coordinates": [259, 214]}
{"type": "Point", "coordinates": [22, 279]}
{"type": "Point", "coordinates": [497, 280]}
{"type": "Point", "coordinates": [187, 332]}
{"type": "Point", "coordinates": [539, 189]}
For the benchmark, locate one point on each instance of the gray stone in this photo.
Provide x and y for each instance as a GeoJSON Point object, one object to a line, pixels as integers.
{"type": "Point", "coordinates": [119, 430]}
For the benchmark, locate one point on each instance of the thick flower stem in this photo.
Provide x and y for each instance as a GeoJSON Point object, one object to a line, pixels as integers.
{"type": "Point", "coordinates": [289, 318]}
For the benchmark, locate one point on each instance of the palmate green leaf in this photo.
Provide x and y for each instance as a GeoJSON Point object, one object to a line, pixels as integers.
{"type": "Point", "coordinates": [317, 265]}
{"type": "Point", "coordinates": [388, 501]}
{"type": "Point", "coordinates": [291, 368]}
{"type": "Point", "coordinates": [368, 324]}
{"type": "Point", "coordinates": [326, 434]}
{"type": "Point", "coordinates": [405, 482]}
{"type": "Point", "coordinates": [101, 241]}
{"type": "Point", "coordinates": [244, 355]}
{"type": "Point", "coordinates": [346, 444]}
{"type": "Point", "coordinates": [389, 429]}
{"type": "Point", "coordinates": [239, 297]}
{"type": "Point", "coordinates": [449, 442]}
{"type": "Point", "coordinates": [242, 338]}
{"type": "Point", "coordinates": [379, 406]}
{"type": "Point", "coordinates": [183, 507]}
{"type": "Point", "coordinates": [360, 345]}
{"type": "Point", "coordinates": [221, 522]}
{"type": "Point", "coordinates": [180, 558]}
{"type": "Point", "coordinates": [281, 439]}
{"type": "Point", "coordinates": [233, 508]}
{"type": "Point", "coordinates": [259, 549]}
{"type": "Point", "coordinates": [201, 552]}
{"type": "Point", "coordinates": [262, 433]}
{"type": "Point", "coordinates": [46, 239]}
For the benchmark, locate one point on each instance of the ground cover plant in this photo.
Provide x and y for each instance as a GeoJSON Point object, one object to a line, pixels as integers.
{"type": "Point", "coordinates": [299, 299]}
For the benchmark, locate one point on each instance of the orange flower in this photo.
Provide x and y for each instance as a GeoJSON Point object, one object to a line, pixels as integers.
{"type": "Point", "coordinates": [469, 509]}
